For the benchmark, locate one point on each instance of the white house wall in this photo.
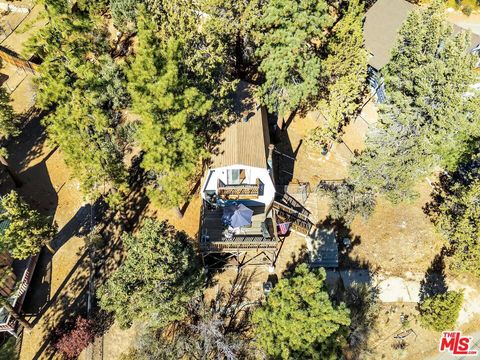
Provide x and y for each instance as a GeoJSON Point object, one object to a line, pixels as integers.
{"type": "Point", "coordinates": [251, 175]}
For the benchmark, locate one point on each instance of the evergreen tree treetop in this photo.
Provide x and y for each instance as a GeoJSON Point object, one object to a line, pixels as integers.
{"type": "Point", "coordinates": [158, 279]}
{"type": "Point", "coordinates": [298, 319]}
{"type": "Point", "coordinates": [27, 229]}
{"type": "Point", "coordinates": [174, 115]}
{"type": "Point", "coordinates": [290, 34]}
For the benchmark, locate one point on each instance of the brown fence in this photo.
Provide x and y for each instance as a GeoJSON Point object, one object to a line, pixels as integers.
{"type": "Point", "coordinates": [12, 58]}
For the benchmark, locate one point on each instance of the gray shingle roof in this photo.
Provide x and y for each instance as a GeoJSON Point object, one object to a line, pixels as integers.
{"type": "Point", "coordinates": [382, 22]}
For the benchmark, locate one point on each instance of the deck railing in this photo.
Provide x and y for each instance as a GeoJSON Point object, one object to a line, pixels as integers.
{"type": "Point", "coordinates": [240, 191]}
{"type": "Point", "coordinates": [239, 242]}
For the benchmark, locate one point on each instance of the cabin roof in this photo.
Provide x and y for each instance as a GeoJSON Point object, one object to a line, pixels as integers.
{"type": "Point", "coordinates": [246, 140]}
{"type": "Point", "coordinates": [382, 22]}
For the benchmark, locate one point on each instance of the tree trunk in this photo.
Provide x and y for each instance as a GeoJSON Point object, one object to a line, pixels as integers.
{"type": "Point", "coordinates": [16, 315]}
{"type": "Point", "coordinates": [50, 248]}
{"type": "Point", "coordinates": [239, 65]}
{"type": "Point", "coordinates": [179, 212]}
{"type": "Point", "coordinates": [10, 172]}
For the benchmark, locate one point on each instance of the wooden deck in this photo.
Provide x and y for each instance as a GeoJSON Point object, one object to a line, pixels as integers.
{"type": "Point", "coordinates": [213, 239]}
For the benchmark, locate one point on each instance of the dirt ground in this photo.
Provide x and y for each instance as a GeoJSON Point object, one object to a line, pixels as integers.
{"type": "Point", "coordinates": [19, 84]}
{"type": "Point", "coordinates": [385, 336]}
{"type": "Point", "coordinates": [397, 239]}
{"type": "Point", "coordinates": [23, 26]}
{"type": "Point", "coordinates": [471, 22]}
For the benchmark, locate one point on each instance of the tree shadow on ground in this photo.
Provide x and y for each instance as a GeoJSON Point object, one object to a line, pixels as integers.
{"type": "Point", "coordinates": [434, 282]}
{"type": "Point", "coordinates": [37, 188]}
{"type": "Point", "coordinates": [364, 305]}
{"type": "Point", "coordinates": [28, 145]}
{"type": "Point", "coordinates": [466, 172]}
{"type": "Point", "coordinates": [235, 305]}
{"type": "Point", "coordinates": [296, 259]}
{"type": "Point", "coordinates": [284, 157]}
{"type": "Point", "coordinates": [352, 283]}
{"type": "Point", "coordinates": [346, 241]}
{"type": "Point", "coordinates": [69, 300]}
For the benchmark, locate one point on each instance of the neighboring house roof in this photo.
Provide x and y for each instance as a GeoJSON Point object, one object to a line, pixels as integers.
{"type": "Point", "coordinates": [244, 142]}
{"type": "Point", "coordinates": [382, 22]}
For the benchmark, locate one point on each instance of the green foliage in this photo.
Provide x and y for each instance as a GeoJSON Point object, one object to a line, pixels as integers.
{"type": "Point", "coordinates": [290, 34]}
{"type": "Point", "coordinates": [207, 50]}
{"type": "Point", "coordinates": [173, 114]}
{"type": "Point", "coordinates": [467, 10]}
{"type": "Point", "coordinates": [82, 132]}
{"type": "Point", "coordinates": [229, 29]}
{"type": "Point", "coordinates": [299, 320]}
{"type": "Point", "coordinates": [9, 123]}
{"type": "Point", "coordinates": [27, 231]}
{"type": "Point", "coordinates": [158, 279]}
{"type": "Point", "coordinates": [427, 119]}
{"type": "Point", "coordinates": [124, 13]}
{"type": "Point", "coordinates": [345, 71]}
{"type": "Point", "coordinates": [64, 45]}
{"type": "Point", "coordinates": [456, 213]}
{"type": "Point", "coordinates": [440, 312]}
{"type": "Point", "coordinates": [347, 202]}
{"type": "Point", "coordinates": [365, 307]}
{"type": "Point", "coordinates": [8, 350]}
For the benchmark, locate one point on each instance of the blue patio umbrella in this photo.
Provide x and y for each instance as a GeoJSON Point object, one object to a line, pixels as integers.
{"type": "Point", "coordinates": [237, 215]}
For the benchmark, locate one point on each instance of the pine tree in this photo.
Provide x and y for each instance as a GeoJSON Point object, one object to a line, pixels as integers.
{"type": "Point", "coordinates": [455, 212]}
{"type": "Point", "coordinates": [290, 34]}
{"type": "Point", "coordinates": [440, 312]}
{"type": "Point", "coordinates": [205, 30]}
{"type": "Point", "coordinates": [124, 14]}
{"type": "Point", "coordinates": [63, 45]}
{"type": "Point", "coordinates": [27, 230]}
{"type": "Point", "coordinates": [9, 123]}
{"type": "Point", "coordinates": [173, 113]}
{"type": "Point", "coordinates": [158, 279]}
{"type": "Point", "coordinates": [228, 25]}
{"type": "Point", "coordinates": [298, 319]}
{"type": "Point", "coordinates": [345, 72]}
{"type": "Point", "coordinates": [9, 126]}
{"type": "Point", "coordinates": [82, 132]}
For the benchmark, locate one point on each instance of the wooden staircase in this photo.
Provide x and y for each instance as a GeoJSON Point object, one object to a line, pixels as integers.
{"type": "Point", "coordinates": [287, 209]}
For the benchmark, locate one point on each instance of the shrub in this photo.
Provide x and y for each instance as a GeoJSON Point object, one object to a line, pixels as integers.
{"type": "Point", "coordinates": [440, 312]}
{"type": "Point", "coordinates": [467, 10]}
{"type": "Point", "coordinates": [72, 342]}
{"type": "Point", "coordinates": [8, 350]}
